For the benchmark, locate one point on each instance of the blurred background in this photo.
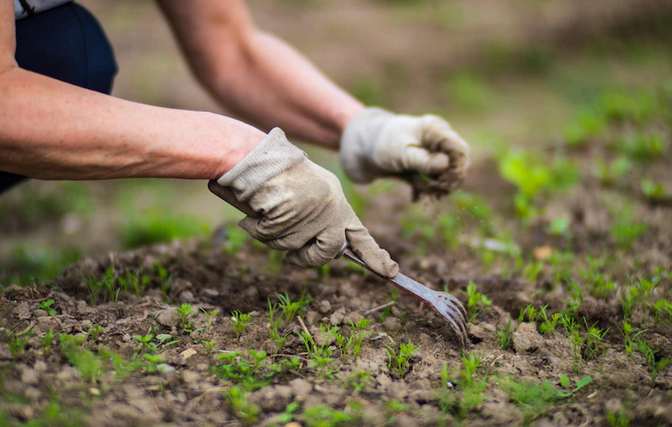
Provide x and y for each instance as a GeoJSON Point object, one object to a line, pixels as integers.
{"type": "Point", "coordinates": [523, 74]}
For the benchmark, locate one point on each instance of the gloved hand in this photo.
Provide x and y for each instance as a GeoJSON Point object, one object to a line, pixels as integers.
{"type": "Point", "coordinates": [377, 143]}
{"type": "Point", "coordinates": [295, 205]}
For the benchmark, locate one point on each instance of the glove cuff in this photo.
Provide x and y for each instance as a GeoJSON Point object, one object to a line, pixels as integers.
{"type": "Point", "coordinates": [357, 143]}
{"type": "Point", "coordinates": [273, 156]}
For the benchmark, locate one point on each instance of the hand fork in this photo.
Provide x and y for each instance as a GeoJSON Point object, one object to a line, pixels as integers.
{"type": "Point", "coordinates": [448, 307]}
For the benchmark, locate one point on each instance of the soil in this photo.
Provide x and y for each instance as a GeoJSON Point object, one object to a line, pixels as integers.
{"type": "Point", "coordinates": [212, 274]}
{"type": "Point", "coordinates": [39, 383]}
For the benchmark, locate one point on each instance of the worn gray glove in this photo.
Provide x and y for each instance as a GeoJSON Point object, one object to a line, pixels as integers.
{"type": "Point", "coordinates": [377, 143]}
{"type": "Point", "coordinates": [295, 205]}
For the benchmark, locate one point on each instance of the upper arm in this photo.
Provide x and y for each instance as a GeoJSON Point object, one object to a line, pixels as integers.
{"type": "Point", "coordinates": [7, 36]}
{"type": "Point", "coordinates": [209, 31]}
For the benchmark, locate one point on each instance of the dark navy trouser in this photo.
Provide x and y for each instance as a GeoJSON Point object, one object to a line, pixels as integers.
{"type": "Point", "coordinates": [67, 44]}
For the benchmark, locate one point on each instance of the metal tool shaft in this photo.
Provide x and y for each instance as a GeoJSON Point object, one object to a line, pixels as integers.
{"type": "Point", "coordinates": [446, 305]}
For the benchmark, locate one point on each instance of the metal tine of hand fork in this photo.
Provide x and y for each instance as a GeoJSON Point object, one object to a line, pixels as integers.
{"type": "Point", "coordinates": [446, 305]}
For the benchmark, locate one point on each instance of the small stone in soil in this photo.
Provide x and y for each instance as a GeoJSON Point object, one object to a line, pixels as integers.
{"type": "Point", "coordinates": [169, 318]}
{"type": "Point", "coordinates": [324, 307]}
{"type": "Point", "coordinates": [392, 324]}
{"type": "Point", "coordinates": [337, 317]}
{"type": "Point", "coordinates": [526, 338]}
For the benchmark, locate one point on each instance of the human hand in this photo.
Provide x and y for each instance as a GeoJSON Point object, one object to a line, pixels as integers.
{"type": "Point", "coordinates": [377, 143]}
{"type": "Point", "coordinates": [295, 205]}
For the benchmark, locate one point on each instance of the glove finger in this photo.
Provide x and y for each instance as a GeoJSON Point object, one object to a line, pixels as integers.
{"type": "Point", "coordinates": [421, 160]}
{"type": "Point", "coordinates": [438, 136]}
{"type": "Point", "coordinates": [256, 229]}
{"type": "Point", "coordinates": [318, 251]}
{"type": "Point", "coordinates": [365, 247]}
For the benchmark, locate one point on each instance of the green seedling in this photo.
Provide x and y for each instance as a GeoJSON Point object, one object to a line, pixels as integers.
{"type": "Point", "coordinates": [559, 227]}
{"type": "Point", "coordinates": [399, 363]}
{"type": "Point", "coordinates": [630, 336]}
{"type": "Point", "coordinates": [146, 343]}
{"type": "Point", "coordinates": [505, 336]}
{"type": "Point", "coordinates": [292, 309]}
{"type": "Point", "coordinates": [155, 361]}
{"type": "Point", "coordinates": [566, 385]}
{"type": "Point", "coordinates": [185, 311]}
{"type": "Point", "coordinates": [655, 192]}
{"type": "Point", "coordinates": [209, 315]}
{"type": "Point", "coordinates": [88, 364]}
{"type": "Point", "coordinates": [322, 415]}
{"type": "Point", "coordinates": [575, 340]}
{"type": "Point", "coordinates": [46, 306]}
{"type": "Point", "coordinates": [47, 341]}
{"type": "Point", "coordinates": [165, 279]}
{"type": "Point", "coordinates": [546, 325]}
{"type": "Point", "coordinates": [470, 394]}
{"type": "Point", "coordinates": [352, 346]}
{"type": "Point", "coordinates": [289, 413]}
{"type": "Point", "coordinates": [610, 174]}
{"type": "Point", "coordinates": [595, 348]}
{"type": "Point", "coordinates": [164, 340]}
{"type": "Point", "coordinates": [618, 419]}
{"type": "Point", "coordinates": [239, 321]}
{"type": "Point", "coordinates": [662, 311]}
{"type": "Point", "coordinates": [642, 147]}
{"type": "Point", "coordinates": [636, 294]}
{"type": "Point", "coordinates": [247, 413]}
{"type": "Point", "coordinates": [18, 343]}
{"type": "Point", "coordinates": [587, 124]}
{"type": "Point", "coordinates": [277, 338]}
{"type": "Point", "coordinates": [654, 366]}
{"type": "Point", "coordinates": [210, 346]}
{"type": "Point", "coordinates": [576, 295]}
{"type": "Point", "coordinates": [95, 285]}
{"type": "Point", "coordinates": [134, 281]}
{"type": "Point", "coordinates": [476, 302]}
{"type": "Point", "coordinates": [94, 332]}
{"type": "Point", "coordinates": [625, 228]}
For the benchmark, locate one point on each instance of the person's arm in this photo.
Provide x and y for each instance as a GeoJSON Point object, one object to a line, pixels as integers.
{"type": "Point", "coordinates": [257, 75]}
{"type": "Point", "coordinates": [265, 80]}
{"type": "Point", "coordinates": [53, 130]}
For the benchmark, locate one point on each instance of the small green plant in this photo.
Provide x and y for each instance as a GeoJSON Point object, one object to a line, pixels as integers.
{"type": "Point", "coordinates": [135, 281]}
{"type": "Point", "coordinates": [247, 413]}
{"type": "Point", "coordinates": [209, 315]}
{"type": "Point", "coordinates": [359, 381]}
{"type": "Point", "coordinates": [146, 343]}
{"type": "Point", "coordinates": [47, 341]}
{"type": "Point", "coordinates": [595, 348]}
{"type": "Point", "coordinates": [662, 311]}
{"type": "Point", "coordinates": [94, 332]}
{"type": "Point", "coordinates": [289, 413]}
{"type": "Point", "coordinates": [155, 361]}
{"type": "Point", "coordinates": [655, 192]}
{"type": "Point", "coordinates": [625, 229]}
{"type": "Point", "coordinates": [576, 295]}
{"type": "Point", "coordinates": [618, 419]}
{"type": "Point", "coordinates": [277, 338]}
{"type": "Point", "coordinates": [575, 340]}
{"type": "Point", "coordinates": [46, 306]}
{"type": "Point", "coordinates": [291, 309]}
{"type": "Point", "coordinates": [210, 346]}
{"type": "Point", "coordinates": [399, 363]}
{"type": "Point", "coordinates": [240, 321]}
{"type": "Point", "coordinates": [630, 336]}
{"type": "Point", "coordinates": [18, 343]}
{"type": "Point", "coordinates": [185, 311]}
{"type": "Point", "coordinates": [505, 335]}
{"type": "Point", "coordinates": [654, 366]}
{"type": "Point", "coordinates": [89, 365]}
{"type": "Point", "coordinates": [610, 174]}
{"type": "Point", "coordinates": [165, 279]}
{"type": "Point", "coordinates": [322, 416]}
{"type": "Point", "coordinates": [95, 286]}
{"type": "Point", "coordinates": [476, 302]}
{"type": "Point", "coordinates": [566, 385]}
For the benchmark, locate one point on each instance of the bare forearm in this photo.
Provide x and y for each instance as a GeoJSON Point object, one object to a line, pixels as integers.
{"type": "Point", "coordinates": [278, 86]}
{"type": "Point", "coordinates": [257, 75]}
{"type": "Point", "coordinates": [52, 130]}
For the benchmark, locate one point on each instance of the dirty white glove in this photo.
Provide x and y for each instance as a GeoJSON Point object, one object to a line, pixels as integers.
{"type": "Point", "coordinates": [377, 143]}
{"type": "Point", "coordinates": [295, 205]}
